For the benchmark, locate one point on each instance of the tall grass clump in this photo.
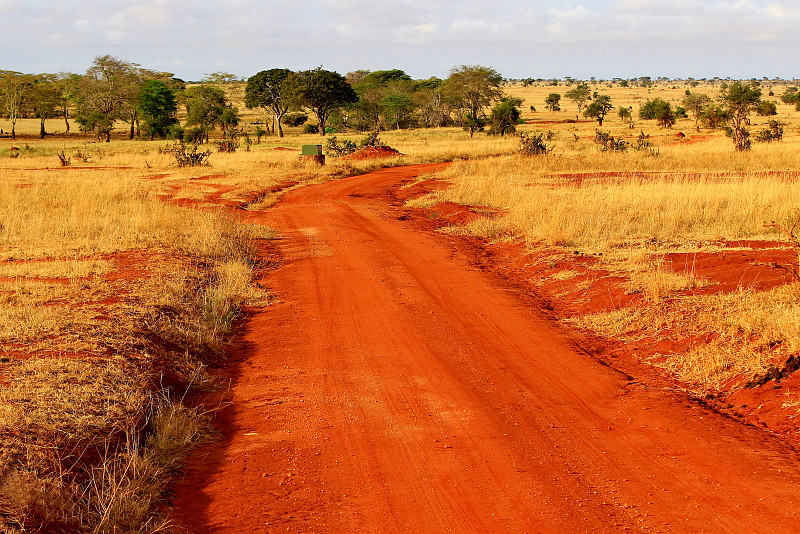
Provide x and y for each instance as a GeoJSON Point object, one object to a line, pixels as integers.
{"type": "Point", "coordinates": [118, 301]}
{"type": "Point", "coordinates": [602, 212]}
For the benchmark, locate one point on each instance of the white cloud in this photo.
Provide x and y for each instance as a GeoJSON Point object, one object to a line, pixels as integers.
{"type": "Point", "coordinates": [586, 37]}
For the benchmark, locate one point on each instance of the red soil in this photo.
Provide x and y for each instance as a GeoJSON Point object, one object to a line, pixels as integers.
{"type": "Point", "coordinates": [371, 152]}
{"type": "Point", "coordinates": [405, 381]}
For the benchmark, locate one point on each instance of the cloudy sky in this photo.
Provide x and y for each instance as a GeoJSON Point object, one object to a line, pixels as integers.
{"type": "Point", "coordinates": [537, 38]}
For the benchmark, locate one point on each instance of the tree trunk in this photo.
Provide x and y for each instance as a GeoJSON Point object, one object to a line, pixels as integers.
{"type": "Point", "coordinates": [599, 121]}
{"type": "Point", "coordinates": [13, 130]}
{"type": "Point", "coordinates": [66, 122]}
{"type": "Point", "coordinates": [280, 128]}
{"type": "Point", "coordinates": [108, 136]}
{"type": "Point", "coordinates": [42, 133]}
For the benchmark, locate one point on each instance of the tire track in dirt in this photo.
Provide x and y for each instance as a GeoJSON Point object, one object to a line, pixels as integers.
{"type": "Point", "coordinates": [393, 387]}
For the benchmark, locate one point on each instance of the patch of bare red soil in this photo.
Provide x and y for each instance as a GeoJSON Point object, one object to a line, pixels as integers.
{"type": "Point", "coordinates": [372, 152]}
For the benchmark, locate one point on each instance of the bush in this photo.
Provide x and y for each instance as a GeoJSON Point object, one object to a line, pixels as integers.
{"type": "Point", "coordinates": [532, 145]}
{"type": "Point", "coordinates": [767, 108]}
{"type": "Point", "coordinates": [642, 142]}
{"type": "Point", "coordinates": [337, 149]}
{"type": "Point", "coordinates": [310, 129]}
{"type": "Point", "coordinates": [371, 139]}
{"type": "Point", "coordinates": [229, 142]}
{"type": "Point", "coordinates": [175, 132]}
{"type": "Point", "coordinates": [294, 119]}
{"type": "Point", "coordinates": [188, 158]}
{"type": "Point", "coordinates": [660, 110]}
{"type": "Point", "coordinates": [505, 115]}
{"type": "Point", "coordinates": [713, 116]}
{"type": "Point", "coordinates": [773, 133]}
{"type": "Point", "coordinates": [609, 143]}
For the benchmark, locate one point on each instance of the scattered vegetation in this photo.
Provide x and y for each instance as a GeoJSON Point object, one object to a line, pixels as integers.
{"type": "Point", "coordinates": [188, 157]}
{"type": "Point", "coordinates": [609, 143]}
{"type": "Point", "coordinates": [532, 145]}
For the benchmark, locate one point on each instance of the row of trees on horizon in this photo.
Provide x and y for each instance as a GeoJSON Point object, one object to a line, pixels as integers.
{"type": "Point", "coordinates": [114, 90]}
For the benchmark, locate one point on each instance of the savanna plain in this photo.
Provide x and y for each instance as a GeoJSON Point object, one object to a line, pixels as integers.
{"type": "Point", "coordinates": [124, 278]}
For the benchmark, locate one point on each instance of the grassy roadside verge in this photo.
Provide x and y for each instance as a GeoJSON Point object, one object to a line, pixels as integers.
{"type": "Point", "coordinates": [622, 215]}
{"type": "Point", "coordinates": [114, 304]}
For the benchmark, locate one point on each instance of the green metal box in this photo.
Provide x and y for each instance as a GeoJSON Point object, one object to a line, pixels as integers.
{"type": "Point", "coordinates": [312, 150]}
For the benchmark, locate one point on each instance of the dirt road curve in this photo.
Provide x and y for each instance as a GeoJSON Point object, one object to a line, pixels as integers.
{"type": "Point", "coordinates": [393, 388]}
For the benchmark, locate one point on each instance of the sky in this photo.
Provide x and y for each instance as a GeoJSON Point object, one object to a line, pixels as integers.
{"type": "Point", "coordinates": [520, 39]}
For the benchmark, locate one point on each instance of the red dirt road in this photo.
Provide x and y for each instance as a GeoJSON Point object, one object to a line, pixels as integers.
{"type": "Point", "coordinates": [393, 387]}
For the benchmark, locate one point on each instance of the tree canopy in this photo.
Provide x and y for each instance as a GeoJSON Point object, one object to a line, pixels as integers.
{"type": "Point", "coordinates": [322, 91]}
{"type": "Point", "coordinates": [660, 110]}
{"type": "Point", "coordinates": [579, 95]}
{"type": "Point", "coordinates": [739, 100]}
{"type": "Point", "coordinates": [472, 88]}
{"type": "Point", "coordinates": [270, 90]}
{"type": "Point", "coordinates": [599, 108]}
{"type": "Point", "coordinates": [157, 106]}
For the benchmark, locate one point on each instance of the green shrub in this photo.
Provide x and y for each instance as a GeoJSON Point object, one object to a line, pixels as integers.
{"type": "Point", "coordinates": [336, 149]}
{"type": "Point", "coordinates": [294, 119]}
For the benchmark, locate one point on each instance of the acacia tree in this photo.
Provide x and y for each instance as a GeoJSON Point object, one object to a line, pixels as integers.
{"type": "Point", "coordinates": [322, 91]}
{"type": "Point", "coordinates": [157, 107]}
{"type": "Point", "coordinates": [67, 84]}
{"type": "Point", "coordinates": [207, 106]}
{"type": "Point", "coordinates": [552, 102]}
{"type": "Point", "coordinates": [599, 108]}
{"type": "Point", "coordinates": [105, 91]}
{"type": "Point", "coordinates": [660, 110]}
{"type": "Point", "coordinates": [579, 95]}
{"type": "Point", "coordinates": [270, 90]}
{"type": "Point", "coordinates": [695, 103]}
{"type": "Point", "coordinates": [14, 87]}
{"type": "Point", "coordinates": [432, 108]}
{"type": "Point", "coordinates": [473, 88]}
{"type": "Point", "coordinates": [739, 100]}
{"type": "Point", "coordinates": [44, 99]}
{"type": "Point", "coordinates": [505, 116]}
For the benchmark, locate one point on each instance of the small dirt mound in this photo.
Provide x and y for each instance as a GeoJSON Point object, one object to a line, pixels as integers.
{"type": "Point", "coordinates": [372, 152]}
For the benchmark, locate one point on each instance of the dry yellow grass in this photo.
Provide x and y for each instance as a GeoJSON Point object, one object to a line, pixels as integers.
{"type": "Point", "coordinates": [634, 206]}
{"type": "Point", "coordinates": [79, 348]}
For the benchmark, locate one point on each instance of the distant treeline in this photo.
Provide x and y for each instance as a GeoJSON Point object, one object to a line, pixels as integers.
{"type": "Point", "coordinates": [114, 90]}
